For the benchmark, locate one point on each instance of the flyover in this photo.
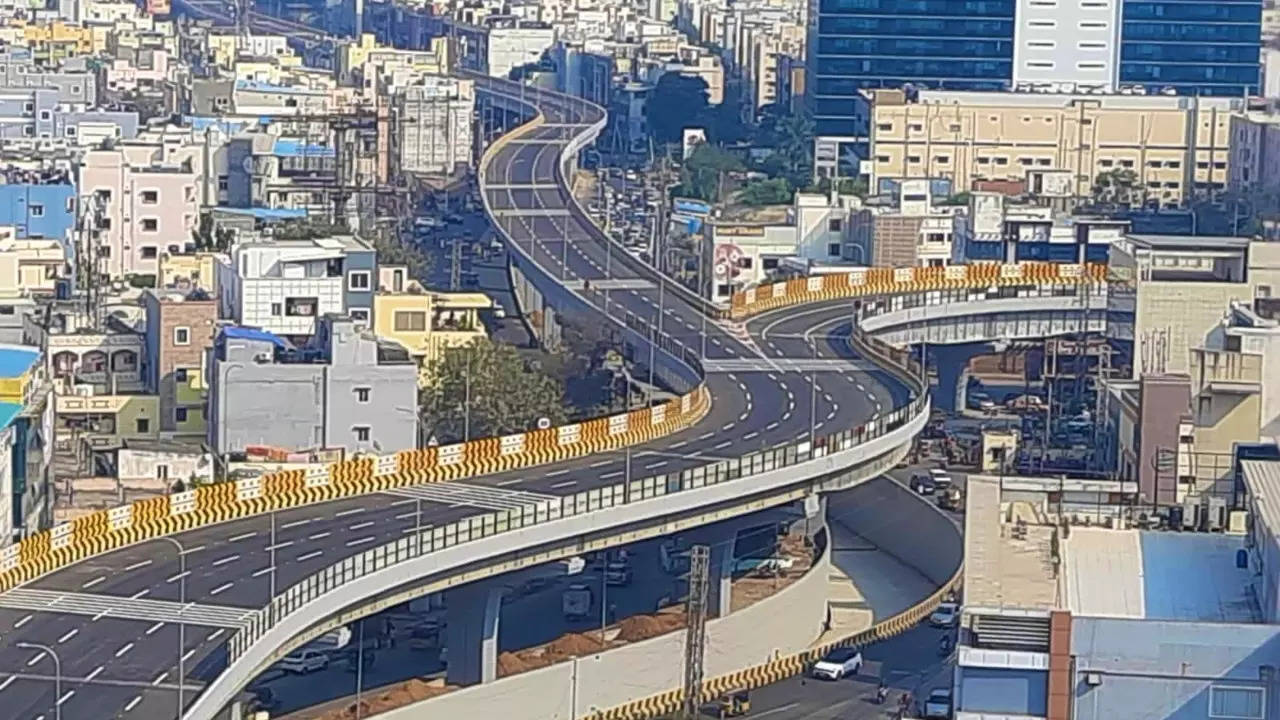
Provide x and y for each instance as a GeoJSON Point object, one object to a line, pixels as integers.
{"type": "Point", "coordinates": [236, 574]}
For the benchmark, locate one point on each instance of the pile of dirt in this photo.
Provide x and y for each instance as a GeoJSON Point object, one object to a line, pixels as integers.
{"type": "Point", "coordinates": [512, 664]}
{"type": "Point", "coordinates": [574, 645]}
{"type": "Point", "coordinates": [643, 627]}
{"type": "Point", "coordinates": [389, 698]}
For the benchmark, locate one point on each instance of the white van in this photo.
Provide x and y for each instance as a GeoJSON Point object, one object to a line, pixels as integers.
{"type": "Point", "coordinates": [302, 662]}
{"type": "Point", "coordinates": [940, 478]}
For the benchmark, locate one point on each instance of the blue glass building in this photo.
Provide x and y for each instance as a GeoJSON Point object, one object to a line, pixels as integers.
{"type": "Point", "coordinates": [935, 44]}
{"type": "Point", "coordinates": [1192, 46]}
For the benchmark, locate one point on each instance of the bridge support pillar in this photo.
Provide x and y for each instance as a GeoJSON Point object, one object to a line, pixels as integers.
{"type": "Point", "coordinates": [720, 592]}
{"type": "Point", "coordinates": [951, 362]}
{"type": "Point", "coordinates": [473, 612]}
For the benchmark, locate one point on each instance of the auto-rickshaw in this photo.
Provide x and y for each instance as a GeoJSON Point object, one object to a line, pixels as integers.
{"type": "Point", "coordinates": [734, 704]}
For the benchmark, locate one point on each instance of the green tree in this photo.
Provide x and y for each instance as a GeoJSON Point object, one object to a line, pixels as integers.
{"type": "Point", "coordinates": [206, 237]}
{"type": "Point", "coordinates": [501, 392]}
{"type": "Point", "coordinates": [774, 191]}
{"type": "Point", "coordinates": [676, 102]}
{"type": "Point", "coordinates": [703, 173]}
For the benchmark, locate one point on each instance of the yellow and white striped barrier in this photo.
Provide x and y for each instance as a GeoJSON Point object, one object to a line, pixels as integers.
{"type": "Point", "coordinates": [865, 282]}
{"type": "Point", "coordinates": [159, 516]}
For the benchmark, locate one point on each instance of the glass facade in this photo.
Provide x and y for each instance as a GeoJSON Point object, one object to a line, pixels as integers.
{"type": "Point", "coordinates": [936, 44]}
{"type": "Point", "coordinates": [1192, 46]}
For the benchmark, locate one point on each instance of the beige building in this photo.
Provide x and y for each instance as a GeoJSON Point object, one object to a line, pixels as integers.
{"type": "Point", "coordinates": [975, 136]}
{"type": "Point", "coordinates": [30, 266]}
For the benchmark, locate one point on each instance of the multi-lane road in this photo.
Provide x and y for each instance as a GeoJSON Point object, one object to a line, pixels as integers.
{"type": "Point", "coordinates": [113, 620]}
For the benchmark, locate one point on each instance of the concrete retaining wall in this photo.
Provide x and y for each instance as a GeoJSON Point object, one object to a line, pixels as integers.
{"type": "Point", "coordinates": [903, 525]}
{"type": "Point", "coordinates": [779, 625]}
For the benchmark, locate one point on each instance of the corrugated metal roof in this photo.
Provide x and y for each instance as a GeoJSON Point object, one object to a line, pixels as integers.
{"type": "Point", "coordinates": [1262, 477]}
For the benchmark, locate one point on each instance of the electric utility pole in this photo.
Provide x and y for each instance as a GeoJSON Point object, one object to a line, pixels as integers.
{"type": "Point", "coordinates": [695, 639]}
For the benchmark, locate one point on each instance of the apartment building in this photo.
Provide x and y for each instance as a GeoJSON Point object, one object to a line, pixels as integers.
{"type": "Point", "coordinates": [996, 228]}
{"type": "Point", "coordinates": [1177, 148]}
{"type": "Point", "coordinates": [143, 206]}
{"type": "Point", "coordinates": [32, 267]}
{"type": "Point", "coordinates": [179, 332]}
{"type": "Point", "coordinates": [911, 227]}
{"type": "Point", "coordinates": [426, 322]}
{"type": "Point", "coordinates": [38, 204]}
{"type": "Point", "coordinates": [344, 390]}
{"type": "Point", "coordinates": [286, 286]}
{"type": "Point", "coordinates": [433, 121]}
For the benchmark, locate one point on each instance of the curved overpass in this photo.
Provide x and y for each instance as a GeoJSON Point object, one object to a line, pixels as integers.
{"type": "Point", "coordinates": [112, 618]}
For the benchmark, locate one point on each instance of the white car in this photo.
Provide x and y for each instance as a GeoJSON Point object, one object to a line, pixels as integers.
{"type": "Point", "coordinates": [304, 661]}
{"type": "Point", "coordinates": [839, 663]}
{"type": "Point", "coordinates": [946, 615]}
{"type": "Point", "coordinates": [938, 705]}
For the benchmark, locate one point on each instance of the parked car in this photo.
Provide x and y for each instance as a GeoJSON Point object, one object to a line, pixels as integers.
{"type": "Point", "coordinates": [938, 704]}
{"type": "Point", "coordinates": [837, 664]}
{"type": "Point", "coordinates": [304, 661]}
{"type": "Point", "coordinates": [947, 615]}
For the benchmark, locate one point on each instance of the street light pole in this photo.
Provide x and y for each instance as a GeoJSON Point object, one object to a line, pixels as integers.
{"type": "Point", "coordinates": [57, 674]}
{"type": "Point", "coordinates": [182, 606]}
{"type": "Point", "coordinates": [813, 397]}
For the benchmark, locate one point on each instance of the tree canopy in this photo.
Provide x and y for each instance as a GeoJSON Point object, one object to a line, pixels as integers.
{"type": "Point", "coordinates": [701, 176]}
{"type": "Point", "coordinates": [504, 395]}
{"type": "Point", "coordinates": [774, 191]}
{"type": "Point", "coordinates": [676, 102]}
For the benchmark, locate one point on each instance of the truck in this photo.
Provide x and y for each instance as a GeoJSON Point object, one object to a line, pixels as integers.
{"type": "Point", "coordinates": [575, 603]}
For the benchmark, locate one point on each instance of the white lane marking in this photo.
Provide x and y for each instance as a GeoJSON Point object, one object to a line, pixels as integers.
{"type": "Point", "coordinates": [100, 615]}
{"type": "Point", "coordinates": [682, 443]}
{"type": "Point", "coordinates": [214, 635]}
{"type": "Point", "coordinates": [706, 436]}
{"type": "Point", "coordinates": [308, 556]}
{"type": "Point", "coordinates": [360, 526]}
{"type": "Point", "coordinates": [860, 386]}
{"type": "Point", "coordinates": [187, 655]}
{"type": "Point", "coordinates": [295, 523]}
{"type": "Point", "coordinates": [771, 426]}
{"type": "Point", "coordinates": [743, 416]}
{"type": "Point", "coordinates": [8, 681]}
{"type": "Point", "coordinates": [69, 634]}
{"type": "Point", "coordinates": [360, 541]}
{"type": "Point", "coordinates": [22, 622]}
{"type": "Point", "coordinates": [655, 465]}
{"type": "Point", "coordinates": [178, 577]}
{"type": "Point", "coordinates": [152, 630]}
{"type": "Point", "coordinates": [558, 473]}
{"type": "Point", "coordinates": [278, 546]}
{"type": "Point", "coordinates": [241, 536]}
{"type": "Point", "coordinates": [35, 659]}
{"type": "Point", "coordinates": [748, 436]}
{"type": "Point", "coordinates": [96, 672]}
{"type": "Point", "coordinates": [124, 649]}
{"type": "Point", "coordinates": [606, 476]}
{"type": "Point", "coordinates": [194, 550]}
{"type": "Point", "coordinates": [506, 483]}
{"type": "Point", "coordinates": [137, 566]}
{"type": "Point", "coordinates": [160, 678]}
{"type": "Point", "coordinates": [724, 444]}
{"type": "Point", "coordinates": [727, 427]}
{"type": "Point", "coordinates": [225, 560]}
{"type": "Point", "coordinates": [66, 697]}
{"type": "Point", "coordinates": [565, 484]}
{"type": "Point", "coordinates": [402, 502]}
{"type": "Point", "coordinates": [133, 703]}
{"type": "Point", "coordinates": [221, 588]}
{"type": "Point", "coordinates": [263, 571]}
{"type": "Point", "coordinates": [602, 463]}
{"type": "Point", "coordinates": [93, 582]}
{"type": "Point", "coordinates": [322, 535]}
{"type": "Point", "coordinates": [345, 513]}
{"type": "Point", "coordinates": [140, 593]}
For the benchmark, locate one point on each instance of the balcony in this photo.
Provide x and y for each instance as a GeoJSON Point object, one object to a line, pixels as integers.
{"type": "Point", "coordinates": [1225, 372]}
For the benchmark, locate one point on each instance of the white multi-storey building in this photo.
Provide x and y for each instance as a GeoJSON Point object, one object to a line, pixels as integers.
{"type": "Point", "coordinates": [1067, 43]}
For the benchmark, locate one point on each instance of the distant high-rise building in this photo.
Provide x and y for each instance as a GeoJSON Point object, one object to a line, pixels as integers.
{"type": "Point", "coordinates": [1196, 48]}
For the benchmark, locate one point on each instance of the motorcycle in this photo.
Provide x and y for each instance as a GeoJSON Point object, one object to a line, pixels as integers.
{"type": "Point", "coordinates": [882, 694]}
{"type": "Point", "coordinates": [944, 646]}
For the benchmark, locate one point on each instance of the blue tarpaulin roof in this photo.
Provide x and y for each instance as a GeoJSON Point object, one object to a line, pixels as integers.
{"type": "Point", "coordinates": [248, 333]}
{"type": "Point", "coordinates": [285, 147]}
{"type": "Point", "coordinates": [262, 213]}
{"type": "Point", "coordinates": [14, 361]}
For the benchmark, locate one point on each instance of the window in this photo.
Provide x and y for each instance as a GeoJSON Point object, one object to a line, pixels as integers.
{"type": "Point", "coordinates": [1263, 291]}
{"type": "Point", "coordinates": [360, 315]}
{"type": "Point", "coordinates": [1002, 161]}
{"type": "Point", "coordinates": [180, 375]}
{"type": "Point", "coordinates": [771, 263]}
{"type": "Point", "coordinates": [46, 115]}
{"type": "Point", "coordinates": [275, 309]}
{"type": "Point", "coordinates": [103, 195]}
{"type": "Point", "coordinates": [180, 415]}
{"type": "Point", "coordinates": [301, 307]}
{"type": "Point", "coordinates": [142, 425]}
{"type": "Point", "coordinates": [745, 263]}
{"type": "Point", "coordinates": [1040, 65]}
{"type": "Point", "coordinates": [35, 210]}
{"type": "Point", "coordinates": [984, 161]}
{"type": "Point", "coordinates": [28, 131]}
{"type": "Point", "coordinates": [833, 249]}
{"type": "Point", "coordinates": [362, 433]}
{"type": "Point", "coordinates": [362, 395]}
{"type": "Point", "coordinates": [942, 159]}
{"type": "Point", "coordinates": [28, 107]}
{"type": "Point", "coordinates": [884, 127]}
{"type": "Point", "coordinates": [1244, 703]}
{"type": "Point", "coordinates": [1206, 406]}
{"type": "Point", "coordinates": [410, 321]}
{"type": "Point", "coordinates": [917, 127]}
{"type": "Point", "coordinates": [1043, 23]}
{"type": "Point", "coordinates": [1092, 25]}
{"type": "Point", "coordinates": [150, 197]}
{"type": "Point", "coordinates": [882, 158]}
{"type": "Point", "coordinates": [182, 336]}
{"type": "Point", "coordinates": [834, 225]}
{"type": "Point", "coordinates": [913, 158]}
{"type": "Point", "coordinates": [1092, 45]}
{"type": "Point", "coordinates": [70, 131]}
{"type": "Point", "coordinates": [222, 183]}
{"type": "Point", "coordinates": [1042, 44]}
{"type": "Point", "coordinates": [1090, 65]}
{"type": "Point", "coordinates": [358, 280]}
{"type": "Point", "coordinates": [149, 252]}
{"type": "Point", "coordinates": [150, 224]}
{"type": "Point", "coordinates": [954, 127]}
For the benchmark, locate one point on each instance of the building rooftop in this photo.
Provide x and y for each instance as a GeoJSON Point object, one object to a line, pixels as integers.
{"type": "Point", "coordinates": [1007, 563]}
{"type": "Point", "coordinates": [1155, 575]}
{"type": "Point", "coordinates": [1188, 242]}
{"type": "Point", "coordinates": [15, 360]}
{"type": "Point", "coordinates": [1262, 478]}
